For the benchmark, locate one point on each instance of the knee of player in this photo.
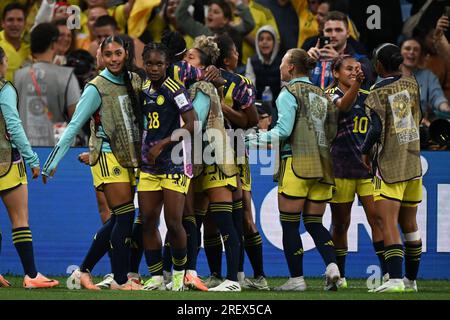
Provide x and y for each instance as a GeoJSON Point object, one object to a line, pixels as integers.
{"type": "Point", "coordinates": [174, 225]}
{"type": "Point", "coordinates": [341, 227]}
{"type": "Point", "coordinates": [409, 226]}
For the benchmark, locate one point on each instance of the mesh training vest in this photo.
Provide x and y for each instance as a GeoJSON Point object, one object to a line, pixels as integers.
{"type": "Point", "coordinates": [118, 122]}
{"type": "Point", "coordinates": [215, 130]}
{"type": "Point", "coordinates": [398, 106]}
{"type": "Point", "coordinates": [314, 129]}
{"type": "Point", "coordinates": [5, 144]}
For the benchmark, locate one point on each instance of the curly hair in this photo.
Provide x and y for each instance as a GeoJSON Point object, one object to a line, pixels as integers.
{"type": "Point", "coordinates": [208, 48]}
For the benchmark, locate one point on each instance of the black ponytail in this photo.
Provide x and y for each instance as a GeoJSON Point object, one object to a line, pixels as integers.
{"type": "Point", "coordinates": [390, 57]}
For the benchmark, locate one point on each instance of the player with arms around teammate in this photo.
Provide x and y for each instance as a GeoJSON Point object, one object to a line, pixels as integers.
{"type": "Point", "coordinates": [305, 127]}
{"type": "Point", "coordinates": [351, 175]}
{"type": "Point", "coordinates": [14, 151]}
{"type": "Point", "coordinates": [110, 100]}
{"type": "Point", "coordinates": [166, 105]}
{"type": "Point", "coordinates": [217, 180]}
{"type": "Point", "coordinates": [395, 114]}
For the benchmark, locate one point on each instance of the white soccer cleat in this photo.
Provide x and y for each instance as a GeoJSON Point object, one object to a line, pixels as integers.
{"type": "Point", "coordinates": [332, 276]}
{"type": "Point", "coordinates": [106, 282]}
{"type": "Point", "coordinates": [293, 284]}
{"type": "Point", "coordinates": [227, 286]}
{"type": "Point", "coordinates": [410, 285]}
{"type": "Point", "coordinates": [391, 286]}
{"type": "Point", "coordinates": [385, 278]}
{"type": "Point", "coordinates": [154, 283]}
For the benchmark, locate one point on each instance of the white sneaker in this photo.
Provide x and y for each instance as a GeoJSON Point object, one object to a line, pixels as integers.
{"type": "Point", "coordinates": [410, 285]}
{"type": "Point", "coordinates": [178, 280]}
{"type": "Point", "coordinates": [227, 286]}
{"type": "Point", "coordinates": [293, 284]}
{"type": "Point", "coordinates": [332, 276]}
{"type": "Point", "coordinates": [342, 283]}
{"type": "Point", "coordinates": [241, 278]}
{"type": "Point", "coordinates": [392, 286]}
{"type": "Point", "coordinates": [106, 283]}
{"type": "Point", "coordinates": [167, 277]}
{"type": "Point", "coordinates": [154, 283]}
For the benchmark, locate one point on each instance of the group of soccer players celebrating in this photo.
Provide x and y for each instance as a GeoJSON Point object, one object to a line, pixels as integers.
{"type": "Point", "coordinates": [333, 144]}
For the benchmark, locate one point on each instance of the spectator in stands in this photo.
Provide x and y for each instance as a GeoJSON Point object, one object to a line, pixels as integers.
{"type": "Point", "coordinates": [106, 26]}
{"type": "Point", "coordinates": [11, 40]}
{"type": "Point", "coordinates": [324, 8]}
{"type": "Point", "coordinates": [336, 27]}
{"type": "Point", "coordinates": [65, 43]}
{"type": "Point", "coordinates": [306, 12]}
{"type": "Point", "coordinates": [84, 39]}
{"type": "Point", "coordinates": [432, 97]}
{"type": "Point", "coordinates": [218, 20]}
{"type": "Point", "coordinates": [287, 22]}
{"type": "Point", "coordinates": [262, 16]}
{"type": "Point", "coordinates": [119, 12]}
{"type": "Point", "coordinates": [263, 68]}
{"type": "Point", "coordinates": [47, 92]}
{"type": "Point", "coordinates": [437, 62]}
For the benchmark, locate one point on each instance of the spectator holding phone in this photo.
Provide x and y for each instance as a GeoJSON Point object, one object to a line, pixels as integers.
{"type": "Point", "coordinates": [336, 32]}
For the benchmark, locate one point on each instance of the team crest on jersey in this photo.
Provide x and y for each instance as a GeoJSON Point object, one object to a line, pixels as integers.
{"type": "Point", "coordinates": [160, 100]}
{"type": "Point", "coordinates": [116, 171]}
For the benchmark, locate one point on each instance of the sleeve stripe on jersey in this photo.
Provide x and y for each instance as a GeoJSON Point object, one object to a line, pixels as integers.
{"type": "Point", "coordinates": [172, 85]}
{"type": "Point", "coordinates": [51, 157]}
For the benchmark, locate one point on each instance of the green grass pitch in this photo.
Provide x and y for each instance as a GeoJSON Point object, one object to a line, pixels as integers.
{"type": "Point", "coordinates": [428, 290]}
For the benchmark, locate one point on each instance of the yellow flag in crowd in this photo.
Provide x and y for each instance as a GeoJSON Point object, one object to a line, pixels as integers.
{"type": "Point", "coordinates": [140, 13]}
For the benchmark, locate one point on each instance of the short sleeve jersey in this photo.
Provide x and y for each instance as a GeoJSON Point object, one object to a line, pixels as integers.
{"type": "Point", "coordinates": [162, 111]}
{"type": "Point", "coordinates": [352, 129]}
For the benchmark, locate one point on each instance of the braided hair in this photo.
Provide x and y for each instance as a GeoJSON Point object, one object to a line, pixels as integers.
{"type": "Point", "coordinates": [127, 78]}
{"type": "Point", "coordinates": [156, 47]}
{"type": "Point", "coordinates": [175, 44]}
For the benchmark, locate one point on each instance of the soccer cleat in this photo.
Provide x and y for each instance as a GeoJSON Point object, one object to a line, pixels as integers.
{"type": "Point", "coordinates": [342, 283]}
{"type": "Point", "coordinates": [332, 276]}
{"type": "Point", "coordinates": [410, 285]}
{"type": "Point", "coordinates": [167, 277]}
{"type": "Point", "coordinates": [293, 284]}
{"type": "Point", "coordinates": [3, 282]}
{"type": "Point", "coordinates": [213, 281]}
{"type": "Point", "coordinates": [227, 286]}
{"type": "Point", "coordinates": [84, 279]}
{"type": "Point", "coordinates": [385, 278]}
{"type": "Point", "coordinates": [154, 283]}
{"type": "Point", "coordinates": [127, 286]}
{"type": "Point", "coordinates": [40, 281]}
{"type": "Point", "coordinates": [177, 280]}
{"type": "Point", "coordinates": [106, 283]}
{"type": "Point", "coordinates": [192, 281]}
{"type": "Point", "coordinates": [392, 286]}
{"type": "Point", "coordinates": [133, 276]}
{"type": "Point", "coordinates": [259, 283]}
